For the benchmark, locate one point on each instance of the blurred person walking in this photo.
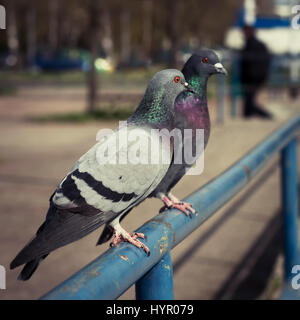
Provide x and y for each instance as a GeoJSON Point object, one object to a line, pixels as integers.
{"type": "Point", "coordinates": [255, 61]}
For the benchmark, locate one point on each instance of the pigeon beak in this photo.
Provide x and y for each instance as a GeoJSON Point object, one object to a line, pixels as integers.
{"type": "Point", "coordinates": [188, 88]}
{"type": "Point", "coordinates": [220, 68]}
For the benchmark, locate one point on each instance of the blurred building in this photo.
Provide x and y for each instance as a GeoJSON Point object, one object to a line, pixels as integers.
{"type": "Point", "coordinates": [274, 21]}
{"type": "Point", "coordinates": [273, 24]}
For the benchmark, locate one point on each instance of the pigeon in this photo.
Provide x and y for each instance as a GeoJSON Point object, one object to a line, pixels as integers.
{"type": "Point", "coordinates": [191, 112]}
{"type": "Point", "coordinates": [99, 189]}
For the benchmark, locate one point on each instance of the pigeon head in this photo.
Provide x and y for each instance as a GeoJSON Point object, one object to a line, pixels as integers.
{"type": "Point", "coordinates": [157, 105]}
{"type": "Point", "coordinates": [204, 63]}
{"type": "Point", "coordinates": [199, 67]}
{"type": "Point", "coordinates": [168, 82]}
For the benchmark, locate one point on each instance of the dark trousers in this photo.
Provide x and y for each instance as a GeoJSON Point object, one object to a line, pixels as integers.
{"type": "Point", "coordinates": [250, 92]}
{"type": "Point", "coordinates": [250, 105]}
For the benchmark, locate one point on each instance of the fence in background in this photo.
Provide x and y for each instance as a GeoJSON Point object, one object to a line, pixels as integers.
{"type": "Point", "coordinates": [111, 274]}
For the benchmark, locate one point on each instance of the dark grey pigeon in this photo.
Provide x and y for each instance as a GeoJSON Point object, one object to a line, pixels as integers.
{"type": "Point", "coordinates": [100, 188]}
{"type": "Point", "coordinates": [191, 112]}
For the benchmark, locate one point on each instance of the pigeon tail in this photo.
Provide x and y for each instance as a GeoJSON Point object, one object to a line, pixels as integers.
{"type": "Point", "coordinates": [30, 268]}
{"type": "Point", "coordinates": [106, 235]}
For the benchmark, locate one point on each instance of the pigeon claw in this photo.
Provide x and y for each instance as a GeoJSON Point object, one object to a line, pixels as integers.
{"type": "Point", "coordinates": [187, 206]}
{"type": "Point", "coordinates": [183, 207]}
{"type": "Point", "coordinates": [136, 235]}
{"type": "Point", "coordinates": [132, 238]}
{"type": "Point", "coordinates": [173, 202]}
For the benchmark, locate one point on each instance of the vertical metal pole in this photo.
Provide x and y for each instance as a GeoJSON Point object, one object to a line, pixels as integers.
{"type": "Point", "coordinates": [235, 86]}
{"type": "Point", "coordinates": [289, 186]}
{"type": "Point", "coordinates": [157, 283]}
{"type": "Point", "coordinates": [220, 98]}
{"type": "Point", "coordinates": [233, 105]}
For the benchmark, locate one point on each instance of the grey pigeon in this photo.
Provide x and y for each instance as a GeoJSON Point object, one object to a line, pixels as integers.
{"type": "Point", "coordinates": [191, 112]}
{"type": "Point", "coordinates": [97, 191]}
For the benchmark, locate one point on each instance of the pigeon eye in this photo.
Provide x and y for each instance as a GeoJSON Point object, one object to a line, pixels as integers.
{"type": "Point", "coordinates": [205, 60]}
{"type": "Point", "coordinates": [176, 79]}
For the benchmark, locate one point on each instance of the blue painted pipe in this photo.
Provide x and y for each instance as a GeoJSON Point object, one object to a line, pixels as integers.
{"type": "Point", "coordinates": [157, 284]}
{"type": "Point", "coordinates": [289, 190]}
{"type": "Point", "coordinates": [108, 276]}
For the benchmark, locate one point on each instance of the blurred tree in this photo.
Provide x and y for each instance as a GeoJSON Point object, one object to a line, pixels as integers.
{"type": "Point", "coordinates": [147, 28]}
{"type": "Point", "coordinates": [31, 32]}
{"type": "Point", "coordinates": [94, 40]}
{"type": "Point", "coordinates": [173, 30]}
{"type": "Point", "coordinates": [130, 31]}
{"type": "Point", "coordinates": [125, 35]}
{"type": "Point", "coordinates": [142, 26]}
{"type": "Point", "coordinates": [53, 25]}
{"type": "Point", "coordinates": [12, 34]}
{"type": "Point", "coordinates": [75, 24]}
{"type": "Point", "coordinates": [107, 42]}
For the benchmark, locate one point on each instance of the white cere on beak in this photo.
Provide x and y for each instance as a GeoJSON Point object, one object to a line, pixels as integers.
{"type": "Point", "coordinates": [186, 84]}
{"type": "Point", "coordinates": [219, 65]}
{"type": "Point", "coordinates": [220, 68]}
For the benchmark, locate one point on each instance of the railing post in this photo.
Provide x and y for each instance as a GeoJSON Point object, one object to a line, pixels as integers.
{"type": "Point", "coordinates": [157, 283]}
{"type": "Point", "coordinates": [289, 189]}
{"type": "Point", "coordinates": [220, 98]}
{"type": "Point", "coordinates": [235, 90]}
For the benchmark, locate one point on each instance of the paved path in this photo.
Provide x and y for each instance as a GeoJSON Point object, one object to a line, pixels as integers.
{"type": "Point", "coordinates": [34, 157]}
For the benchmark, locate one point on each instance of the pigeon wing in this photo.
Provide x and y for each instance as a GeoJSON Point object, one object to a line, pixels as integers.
{"type": "Point", "coordinates": [117, 172]}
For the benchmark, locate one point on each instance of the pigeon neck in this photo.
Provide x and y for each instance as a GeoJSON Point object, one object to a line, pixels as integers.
{"type": "Point", "coordinates": [155, 111]}
{"type": "Point", "coordinates": [198, 84]}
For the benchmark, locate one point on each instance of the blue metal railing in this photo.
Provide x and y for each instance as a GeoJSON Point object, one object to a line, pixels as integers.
{"type": "Point", "coordinates": [111, 274]}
